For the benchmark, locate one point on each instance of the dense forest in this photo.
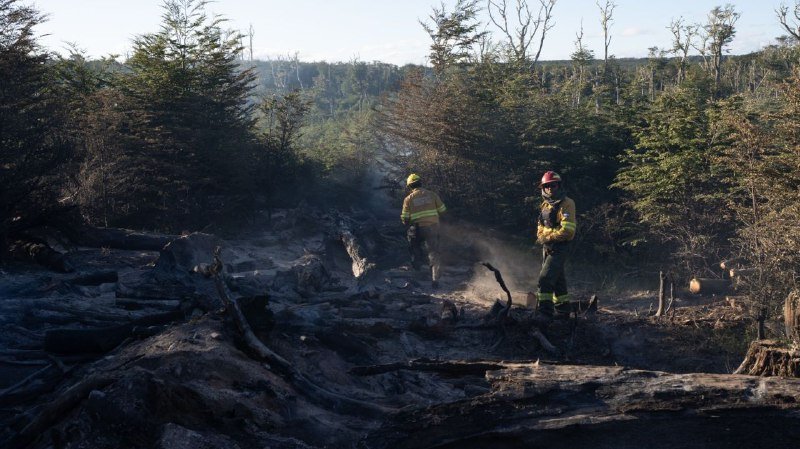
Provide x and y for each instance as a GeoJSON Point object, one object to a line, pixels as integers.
{"type": "Point", "coordinates": [680, 159]}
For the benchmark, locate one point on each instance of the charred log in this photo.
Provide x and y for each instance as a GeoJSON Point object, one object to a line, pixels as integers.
{"type": "Point", "coordinates": [34, 424]}
{"type": "Point", "coordinates": [361, 265]}
{"type": "Point", "coordinates": [86, 235]}
{"type": "Point", "coordinates": [41, 254]}
{"type": "Point", "coordinates": [538, 405]}
{"type": "Point", "coordinates": [102, 340]}
{"type": "Point", "coordinates": [449, 367]}
{"type": "Point", "coordinates": [258, 349]}
{"type": "Point", "coordinates": [39, 382]}
{"type": "Point", "coordinates": [95, 278]}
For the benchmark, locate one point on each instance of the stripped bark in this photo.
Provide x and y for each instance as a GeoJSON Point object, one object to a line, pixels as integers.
{"type": "Point", "coordinates": [361, 265]}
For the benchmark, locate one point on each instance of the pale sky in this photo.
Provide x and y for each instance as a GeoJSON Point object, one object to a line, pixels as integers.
{"type": "Point", "coordinates": [389, 30]}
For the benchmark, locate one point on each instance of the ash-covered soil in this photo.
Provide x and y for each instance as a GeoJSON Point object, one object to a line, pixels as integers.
{"type": "Point", "coordinates": [376, 361]}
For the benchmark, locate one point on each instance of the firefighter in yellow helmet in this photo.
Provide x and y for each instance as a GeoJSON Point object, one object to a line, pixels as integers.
{"type": "Point", "coordinates": [555, 231]}
{"type": "Point", "coordinates": [421, 210]}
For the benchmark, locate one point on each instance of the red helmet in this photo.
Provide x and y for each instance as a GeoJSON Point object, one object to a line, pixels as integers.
{"type": "Point", "coordinates": [549, 178]}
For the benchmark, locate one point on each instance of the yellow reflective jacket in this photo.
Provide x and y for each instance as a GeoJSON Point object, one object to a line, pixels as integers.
{"type": "Point", "coordinates": [422, 207]}
{"type": "Point", "coordinates": [562, 227]}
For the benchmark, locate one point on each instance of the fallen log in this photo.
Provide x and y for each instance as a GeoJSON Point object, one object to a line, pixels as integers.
{"type": "Point", "coordinates": [139, 304]}
{"type": "Point", "coordinates": [94, 278]}
{"type": "Point", "coordinates": [102, 340]}
{"type": "Point", "coordinates": [313, 391]}
{"type": "Point", "coordinates": [37, 383]}
{"type": "Point", "coordinates": [449, 367]}
{"type": "Point", "coordinates": [361, 265]}
{"type": "Point", "coordinates": [540, 405]}
{"type": "Point", "coordinates": [56, 409]}
{"type": "Point", "coordinates": [85, 235]}
{"type": "Point", "coordinates": [706, 286]}
{"type": "Point", "coordinates": [40, 254]}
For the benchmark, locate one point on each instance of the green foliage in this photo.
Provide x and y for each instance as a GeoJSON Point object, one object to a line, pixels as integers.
{"type": "Point", "coordinates": [33, 147]}
{"type": "Point", "coordinates": [190, 118]}
{"type": "Point", "coordinates": [671, 179]}
{"type": "Point", "coordinates": [454, 35]}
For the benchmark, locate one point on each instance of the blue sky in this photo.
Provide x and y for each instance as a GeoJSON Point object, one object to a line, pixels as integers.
{"type": "Point", "coordinates": [389, 30]}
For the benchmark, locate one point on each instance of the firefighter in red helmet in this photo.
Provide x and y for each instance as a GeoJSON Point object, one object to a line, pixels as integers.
{"type": "Point", "coordinates": [556, 229]}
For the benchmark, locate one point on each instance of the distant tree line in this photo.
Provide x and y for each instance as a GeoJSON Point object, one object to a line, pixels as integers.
{"type": "Point", "coordinates": [180, 135]}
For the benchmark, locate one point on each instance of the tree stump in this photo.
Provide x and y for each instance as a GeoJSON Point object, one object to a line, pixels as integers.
{"type": "Point", "coordinates": [770, 358]}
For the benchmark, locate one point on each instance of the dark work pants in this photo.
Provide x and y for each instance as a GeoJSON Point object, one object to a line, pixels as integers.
{"type": "Point", "coordinates": [425, 239]}
{"type": "Point", "coordinates": [552, 281]}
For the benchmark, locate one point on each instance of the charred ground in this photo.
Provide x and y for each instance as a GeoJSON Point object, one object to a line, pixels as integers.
{"type": "Point", "coordinates": [381, 360]}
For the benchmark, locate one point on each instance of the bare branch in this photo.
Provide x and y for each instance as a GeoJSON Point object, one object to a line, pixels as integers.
{"type": "Point", "coordinates": [792, 26]}
{"type": "Point", "coordinates": [520, 35]}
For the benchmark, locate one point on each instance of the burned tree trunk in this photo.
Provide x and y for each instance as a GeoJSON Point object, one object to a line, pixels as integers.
{"type": "Point", "coordinates": [791, 316]}
{"type": "Point", "coordinates": [661, 293]}
{"type": "Point", "coordinates": [361, 265]}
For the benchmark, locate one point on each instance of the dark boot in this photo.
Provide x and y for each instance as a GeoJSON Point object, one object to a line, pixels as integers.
{"type": "Point", "coordinates": [546, 308]}
{"type": "Point", "coordinates": [544, 314]}
{"type": "Point", "coordinates": [563, 309]}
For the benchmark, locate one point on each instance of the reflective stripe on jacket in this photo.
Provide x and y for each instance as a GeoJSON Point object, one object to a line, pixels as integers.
{"type": "Point", "coordinates": [422, 207]}
{"type": "Point", "coordinates": [563, 226]}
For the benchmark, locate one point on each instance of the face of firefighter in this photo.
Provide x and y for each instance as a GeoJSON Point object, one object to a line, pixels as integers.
{"type": "Point", "coordinates": [551, 187]}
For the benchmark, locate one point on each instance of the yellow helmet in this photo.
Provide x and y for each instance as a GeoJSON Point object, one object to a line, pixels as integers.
{"type": "Point", "coordinates": [412, 178]}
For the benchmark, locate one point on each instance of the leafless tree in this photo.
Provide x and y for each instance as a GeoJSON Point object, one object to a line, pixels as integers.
{"type": "Point", "coordinates": [251, 32]}
{"type": "Point", "coordinates": [581, 58]}
{"type": "Point", "coordinates": [606, 17]}
{"type": "Point", "coordinates": [791, 25]}
{"type": "Point", "coordinates": [716, 34]}
{"type": "Point", "coordinates": [682, 37]}
{"type": "Point", "coordinates": [520, 27]}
